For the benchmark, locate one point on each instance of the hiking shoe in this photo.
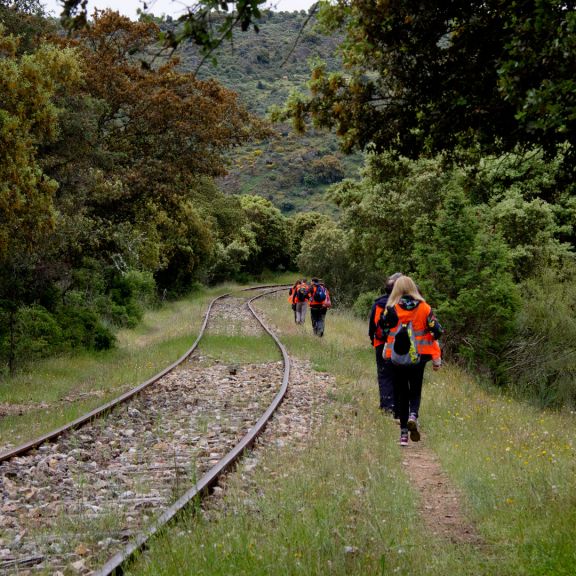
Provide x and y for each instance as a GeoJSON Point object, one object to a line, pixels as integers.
{"type": "Point", "coordinates": [403, 437]}
{"type": "Point", "coordinates": [413, 428]}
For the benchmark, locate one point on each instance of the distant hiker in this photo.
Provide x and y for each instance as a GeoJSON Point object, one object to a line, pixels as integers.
{"type": "Point", "coordinates": [413, 332]}
{"type": "Point", "coordinates": [301, 296]}
{"type": "Point", "coordinates": [384, 370]}
{"type": "Point", "coordinates": [291, 293]}
{"type": "Point", "coordinates": [319, 303]}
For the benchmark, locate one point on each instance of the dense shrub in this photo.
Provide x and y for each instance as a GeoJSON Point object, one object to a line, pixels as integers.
{"type": "Point", "coordinates": [37, 333]}
{"type": "Point", "coordinates": [363, 304]}
{"type": "Point", "coordinates": [129, 295]}
{"type": "Point", "coordinates": [465, 272]}
{"type": "Point", "coordinates": [83, 329]}
{"type": "Point", "coordinates": [541, 358]}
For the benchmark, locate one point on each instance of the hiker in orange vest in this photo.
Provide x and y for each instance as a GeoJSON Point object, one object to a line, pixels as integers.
{"type": "Point", "coordinates": [412, 340]}
{"type": "Point", "coordinates": [291, 293]}
{"type": "Point", "coordinates": [301, 296]}
{"type": "Point", "coordinates": [384, 371]}
{"type": "Point", "coordinates": [319, 303]}
{"type": "Point", "coordinates": [298, 297]}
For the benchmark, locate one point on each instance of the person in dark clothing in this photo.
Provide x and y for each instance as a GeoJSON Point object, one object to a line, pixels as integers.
{"type": "Point", "coordinates": [319, 303]}
{"type": "Point", "coordinates": [377, 336]}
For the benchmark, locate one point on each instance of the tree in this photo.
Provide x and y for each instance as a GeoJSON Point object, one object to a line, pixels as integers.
{"type": "Point", "coordinates": [29, 85]}
{"type": "Point", "coordinates": [324, 254]}
{"type": "Point", "coordinates": [425, 77]}
{"type": "Point", "coordinates": [270, 230]}
{"type": "Point", "coordinates": [299, 225]}
{"type": "Point", "coordinates": [145, 139]}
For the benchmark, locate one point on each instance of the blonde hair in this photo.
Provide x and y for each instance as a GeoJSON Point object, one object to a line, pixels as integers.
{"type": "Point", "coordinates": [404, 286]}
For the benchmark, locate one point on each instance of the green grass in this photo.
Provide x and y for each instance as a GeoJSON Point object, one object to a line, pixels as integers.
{"type": "Point", "coordinates": [344, 505]}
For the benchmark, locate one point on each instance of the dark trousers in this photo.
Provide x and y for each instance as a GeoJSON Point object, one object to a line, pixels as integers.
{"type": "Point", "coordinates": [408, 390]}
{"type": "Point", "coordinates": [385, 374]}
{"type": "Point", "coordinates": [318, 315]}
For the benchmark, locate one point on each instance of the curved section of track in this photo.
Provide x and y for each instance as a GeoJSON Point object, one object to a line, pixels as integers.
{"type": "Point", "coordinates": [114, 565]}
{"type": "Point", "coordinates": [75, 445]}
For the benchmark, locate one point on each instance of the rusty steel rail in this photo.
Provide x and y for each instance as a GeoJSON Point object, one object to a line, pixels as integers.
{"type": "Point", "coordinates": [101, 410]}
{"type": "Point", "coordinates": [115, 565]}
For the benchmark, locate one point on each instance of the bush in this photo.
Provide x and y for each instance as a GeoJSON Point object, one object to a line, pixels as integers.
{"type": "Point", "coordinates": [129, 295]}
{"type": "Point", "coordinates": [363, 304]}
{"type": "Point", "coordinates": [541, 359]}
{"type": "Point", "coordinates": [82, 328]}
{"type": "Point", "coordinates": [37, 333]}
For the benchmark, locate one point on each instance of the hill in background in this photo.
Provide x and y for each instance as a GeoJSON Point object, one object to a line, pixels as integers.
{"type": "Point", "coordinates": [291, 170]}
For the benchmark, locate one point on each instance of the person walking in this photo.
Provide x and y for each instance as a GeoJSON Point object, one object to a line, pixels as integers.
{"type": "Point", "coordinates": [292, 295]}
{"type": "Point", "coordinates": [412, 341]}
{"type": "Point", "coordinates": [301, 297]}
{"type": "Point", "coordinates": [319, 299]}
{"type": "Point", "coordinates": [377, 335]}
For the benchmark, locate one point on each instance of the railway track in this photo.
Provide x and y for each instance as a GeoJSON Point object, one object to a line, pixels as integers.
{"type": "Point", "coordinates": [84, 498]}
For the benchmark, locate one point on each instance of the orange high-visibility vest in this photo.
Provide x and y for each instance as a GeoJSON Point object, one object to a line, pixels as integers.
{"type": "Point", "coordinates": [379, 337]}
{"type": "Point", "coordinates": [292, 293]}
{"type": "Point", "coordinates": [425, 342]}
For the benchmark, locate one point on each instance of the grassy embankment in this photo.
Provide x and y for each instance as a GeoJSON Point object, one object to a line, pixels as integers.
{"type": "Point", "coordinates": [345, 505]}
{"type": "Point", "coordinates": [52, 392]}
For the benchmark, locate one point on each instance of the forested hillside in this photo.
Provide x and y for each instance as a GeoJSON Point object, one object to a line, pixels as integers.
{"type": "Point", "coordinates": [293, 171]}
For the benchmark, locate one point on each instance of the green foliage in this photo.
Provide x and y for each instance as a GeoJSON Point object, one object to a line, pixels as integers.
{"type": "Point", "coordinates": [37, 332]}
{"type": "Point", "coordinates": [380, 213]}
{"type": "Point", "coordinates": [128, 294]}
{"type": "Point", "coordinates": [82, 328]}
{"type": "Point", "coordinates": [299, 225]}
{"type": "Point", "coordinates": [541, 358]}
{"type": "Point", "coordinates": [28, 118]}
{"type": "Point", "coordinates": [464, 269]}
{"type": "Point", "coordinates": [324, 254]}
{"type": "Point", "coordinates": [363, 304]}
{"type": "Point", "coordinates": [270, 232]}
{"type": "Point", "coordinates": [529, 206]}
{"type": "Point", "coordinates": [531, 231]}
